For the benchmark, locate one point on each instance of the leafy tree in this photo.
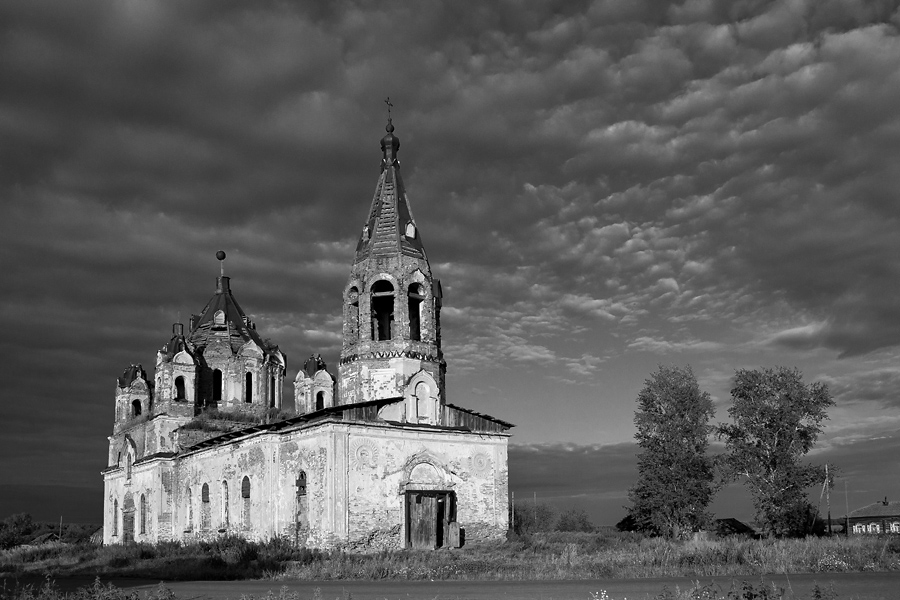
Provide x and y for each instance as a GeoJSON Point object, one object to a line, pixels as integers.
{"type": "Point", "coordinates": [16, 529]}
{"type": "Point", "coordinates": [574, 519]}
{"type": "Point", "coordinates": [776, 421]}
{"type": "Point", "coordinates": [675, 476]}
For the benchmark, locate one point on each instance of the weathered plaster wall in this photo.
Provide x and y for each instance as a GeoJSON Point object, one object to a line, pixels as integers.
{"type": "Point", "coordinates": [381, 464]}
{"type": "Point", "coordinates": [356, 477]}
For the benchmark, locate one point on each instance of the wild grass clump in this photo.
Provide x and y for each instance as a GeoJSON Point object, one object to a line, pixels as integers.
{"type": "Point", "coordinates": [557, 555]}
{"type": "Point", "coordinates": [96, 591]}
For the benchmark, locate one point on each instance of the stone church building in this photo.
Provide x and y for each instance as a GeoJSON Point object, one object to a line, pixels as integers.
{"type": "Point", "coordinates": [374, 458]}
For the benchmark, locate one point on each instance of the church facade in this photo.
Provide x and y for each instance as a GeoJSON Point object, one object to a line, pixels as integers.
{"type": "Point", "coordinates": [375, 458]}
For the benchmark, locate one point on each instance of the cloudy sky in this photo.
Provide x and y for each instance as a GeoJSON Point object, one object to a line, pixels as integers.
{"type": "Point", "coordinates": [602, 187]}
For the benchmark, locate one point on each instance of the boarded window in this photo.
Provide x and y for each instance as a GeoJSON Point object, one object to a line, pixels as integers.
{"type": "Point", "coordinates": [224, 505]}
{"type": "Point", "coordinates": [382, 310]}
{"type": "Point", "coordinates": [190, 509]}
{"type": "Point", "coordinates": [301, 518]}
{"type": "Point", "coordinates": [115, 517]}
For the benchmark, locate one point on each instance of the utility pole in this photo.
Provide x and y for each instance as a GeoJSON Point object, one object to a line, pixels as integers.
{"type": "Point", "coordinates": [828, 498]}
{"type": "Point", "coordinates": [847, 518]}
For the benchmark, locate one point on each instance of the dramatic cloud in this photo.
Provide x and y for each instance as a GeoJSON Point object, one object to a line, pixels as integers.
{"type": "Point", "coordinates": [601, 186]}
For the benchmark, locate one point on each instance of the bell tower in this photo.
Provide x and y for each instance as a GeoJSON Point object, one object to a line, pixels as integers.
{"type": "Point", "coordinates": [392, 304]}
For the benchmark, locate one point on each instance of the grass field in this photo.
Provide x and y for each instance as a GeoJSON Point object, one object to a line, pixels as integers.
{"type": "Point", "coordinates": [538, 556]}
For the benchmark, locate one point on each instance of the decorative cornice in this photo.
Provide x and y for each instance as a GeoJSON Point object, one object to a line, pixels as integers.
{"type": "Point", "coordinates": [382, 354]}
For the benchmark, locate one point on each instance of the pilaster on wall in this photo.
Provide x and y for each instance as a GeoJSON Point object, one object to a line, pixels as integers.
{"type": "Point", "coordinates": [337, 514]}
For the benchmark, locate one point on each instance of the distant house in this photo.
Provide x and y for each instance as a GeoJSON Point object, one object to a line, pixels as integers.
{"type": "Point", "coordinates": [731, 526]}
{"type": "Point", "coordinates": [880, 517]}
{"type": "Point", "coordinates": [45, 538]}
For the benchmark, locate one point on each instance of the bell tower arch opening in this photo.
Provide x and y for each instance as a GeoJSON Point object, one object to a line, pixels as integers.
{"type": "Point", "coordinates": [382, 310]}
{"type": "Point", "coordinates": [416, 295]}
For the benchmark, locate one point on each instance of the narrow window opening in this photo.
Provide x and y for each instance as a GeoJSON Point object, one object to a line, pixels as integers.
{"type": "Point", "coordinates": [382, 310]}
{"type": "Point", "coordinates": [271, 391]}
{"type": "Point", "coordinates": [143, 514]}
{"type": "Point", "coordinates": [217, 385]}
{"type": "Point", "coordinates": [248, 387]}
{"type": "Point", "coordinates": [224, 505]}
{"type": "Point", "coordinates": [115, 517]}
{"type": "Point", "coordinates": [415, 311]}
{"type": "Point", "coordinates": [353, 313]}
{"type": "Point", "coordinates": [179, 388]}
{"type": "Point", "coordinates": [136, 408]}
{"type": "Point", "coordinates": [190, 510]}
{"type": "Point", "coordinates": [245, 502]}
{"type": "Point", "coordinates": [320, 400]}
{"type": "Point", "coordinates": [204, 507]}
{"type": "Point", "coordinates": [300, 514]}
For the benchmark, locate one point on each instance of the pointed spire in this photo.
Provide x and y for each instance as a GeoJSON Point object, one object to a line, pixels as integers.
{"type": "Point", "coordinates": [390, 229]}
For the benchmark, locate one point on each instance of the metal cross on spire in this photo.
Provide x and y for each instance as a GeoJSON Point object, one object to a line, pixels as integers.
{"type": "Point", "coordinates": [389, 105]}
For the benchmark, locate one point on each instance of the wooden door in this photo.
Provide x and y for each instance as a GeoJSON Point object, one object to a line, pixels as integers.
{"type": "Point", "coordinates": [128, 526]}
{"type": "Point", "coordinates": [422, 520]}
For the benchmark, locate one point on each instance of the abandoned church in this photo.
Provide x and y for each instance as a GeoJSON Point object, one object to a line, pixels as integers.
{"type": "Point", "coordinates": [375, 458]}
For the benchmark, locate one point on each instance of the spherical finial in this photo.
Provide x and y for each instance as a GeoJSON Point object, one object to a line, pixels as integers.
{"type": "Point", "coordinates": [389, 127]}
{"type": "Point", "coordinates": [220, 255]}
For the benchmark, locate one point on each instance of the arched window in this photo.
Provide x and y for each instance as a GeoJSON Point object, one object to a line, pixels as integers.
{"type": "Point", "coordinates": [353, 314]}
{"type": "Point", "coordinates": [224, 505]}
{"type": "Point", "coordinates": [245, 502]}
{"type": "Point", "coordinates": [204, 507]}
{"type": "Point", "coordinates": [248, 387]}
{"type": "Point", "coordinates": [272, 391]}
{"type": "Point", "coordinates": [320, 400]}
{"type": "Point", "coordinates": [217, 385]}
{"type": "Point", "coordinates": [128, 466]}
{"type": "Point", "coordinates": [424, 402]}
{"type": "Point", "coordinates": [115, 517]}
{"type": "Point", "coordinates": [179, 388]}
{"type": "Point", "coordinates": [416, 295]}
{"type": "Point", "coordinates": [143, 515]}
{"type": "Point", "coordinates": [136, 408]}
{"type": "Point", "coordinates": [382, 310]}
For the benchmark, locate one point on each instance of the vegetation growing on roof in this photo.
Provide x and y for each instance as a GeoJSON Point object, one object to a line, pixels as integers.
{"type": "Point", "coordinates": [215, 420]}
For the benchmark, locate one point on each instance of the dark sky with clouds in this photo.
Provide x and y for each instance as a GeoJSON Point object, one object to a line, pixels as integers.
{"type": "Point", "coordinates": [601, 186]}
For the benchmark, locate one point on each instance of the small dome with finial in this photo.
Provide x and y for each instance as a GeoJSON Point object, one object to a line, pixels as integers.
{"type": "Point", "coordinates": [389, 127]}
